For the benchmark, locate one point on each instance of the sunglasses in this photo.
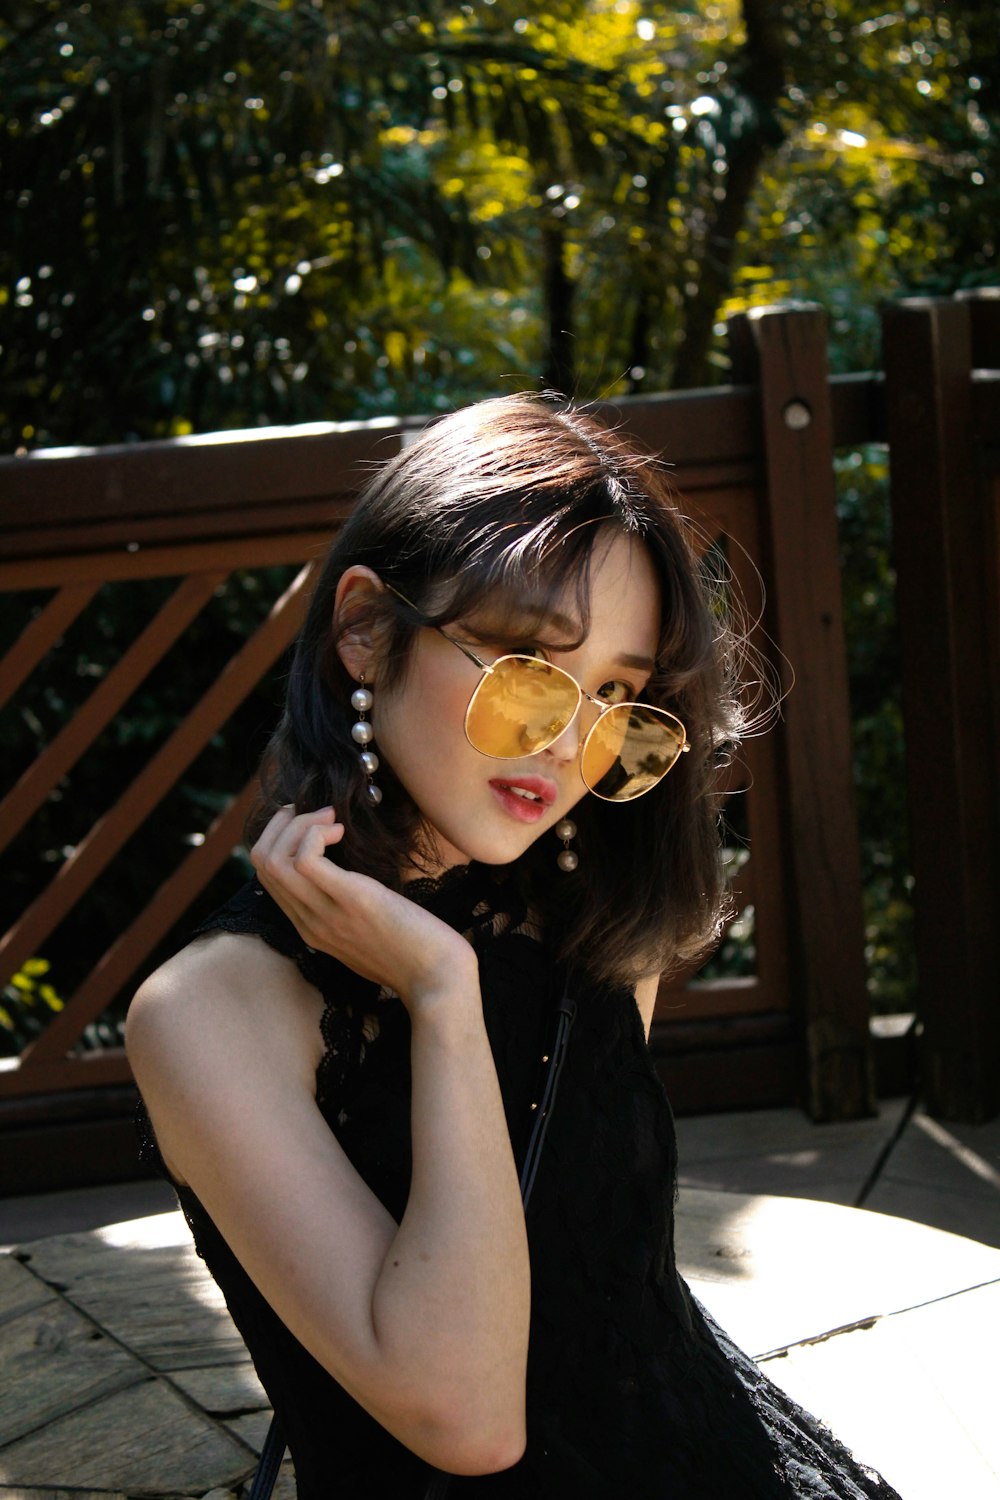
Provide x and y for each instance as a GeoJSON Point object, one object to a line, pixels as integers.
{"type": "Point", "coordinates": [522, 704]}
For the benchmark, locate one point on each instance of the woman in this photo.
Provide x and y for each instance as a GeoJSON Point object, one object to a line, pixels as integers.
{"type": "Point", "coordinates": [344, 1069]}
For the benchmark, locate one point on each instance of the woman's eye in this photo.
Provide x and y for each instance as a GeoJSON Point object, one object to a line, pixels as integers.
{"type": "Point", "coordinates": [615, 692]}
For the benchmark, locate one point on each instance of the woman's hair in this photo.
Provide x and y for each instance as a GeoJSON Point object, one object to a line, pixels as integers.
{"type": "Point", "coordinates": [488, 518]}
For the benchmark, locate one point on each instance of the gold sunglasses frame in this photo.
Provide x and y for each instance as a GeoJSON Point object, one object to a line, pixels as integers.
{"type": "Point", "coordinates": [488, 668]}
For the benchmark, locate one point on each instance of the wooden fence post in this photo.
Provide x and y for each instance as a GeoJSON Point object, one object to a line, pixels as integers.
{"type": "Point", "coordinates": [947, 564]}
{"type": "Point", "coordinates": [783, 351]}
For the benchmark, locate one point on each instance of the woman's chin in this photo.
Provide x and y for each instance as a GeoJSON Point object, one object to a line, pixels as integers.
{"type": "Point", "coordinates": [486, 847]}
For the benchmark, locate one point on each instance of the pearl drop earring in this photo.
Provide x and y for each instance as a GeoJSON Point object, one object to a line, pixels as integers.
{"type": "Point", "coordinates": [362, 734]}
{"type": "Point", "coordinates": [568, 859]}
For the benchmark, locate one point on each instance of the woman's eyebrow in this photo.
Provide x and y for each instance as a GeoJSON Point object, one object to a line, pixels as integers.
{"type": "Point", "coordinates": [641, 663]}
{"type": "Point", "coordinates": [572, 629]}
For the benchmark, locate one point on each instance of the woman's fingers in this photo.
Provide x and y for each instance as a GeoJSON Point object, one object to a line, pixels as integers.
{"type": "Point", "coordinates": [269, 834]}
{"type": "Point", "coordinates": [275, 858]}
{"type": "Point", "coordinates": [289, 835]}
{"type": "Point", "coordinates": [284, 830]}
{"type": "Point", "coordinates": [313, 842]}
{"type": "Point", "coordinates": [317, 896]}
{"type": "Point", "coordinates": [323, 901]}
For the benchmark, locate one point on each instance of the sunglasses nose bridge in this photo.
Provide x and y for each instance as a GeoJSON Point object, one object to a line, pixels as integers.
{"type": "Point", "coordinates": [568, 743]}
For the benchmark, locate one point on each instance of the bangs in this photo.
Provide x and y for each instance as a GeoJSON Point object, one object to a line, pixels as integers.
{"type": "Point", "coordinates": [516, 589]}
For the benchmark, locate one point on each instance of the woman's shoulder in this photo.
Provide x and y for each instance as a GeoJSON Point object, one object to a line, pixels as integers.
{"type": "Point", "coordinates": [222, 969]}
{"type": "Point", "coordinates": [236, 1001]}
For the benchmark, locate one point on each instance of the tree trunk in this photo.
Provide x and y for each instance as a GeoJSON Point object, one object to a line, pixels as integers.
{"type": "Point", "coordinates": [638, 355]}
{"type": "Point", "coordinates": [759, 78]}
{"type": "Point", "coordinates": [558, 369]}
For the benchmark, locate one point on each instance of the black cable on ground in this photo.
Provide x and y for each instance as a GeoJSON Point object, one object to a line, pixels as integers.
{"type": "Point", "coordinates": [891, 1144]}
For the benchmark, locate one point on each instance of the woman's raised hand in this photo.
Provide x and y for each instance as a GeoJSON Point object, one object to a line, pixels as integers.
{"type": "Point", "coordinates": [377, 933]}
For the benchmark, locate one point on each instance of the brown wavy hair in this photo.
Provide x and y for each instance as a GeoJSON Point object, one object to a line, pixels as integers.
{"type": "Point", "coordinates": [491, 508]}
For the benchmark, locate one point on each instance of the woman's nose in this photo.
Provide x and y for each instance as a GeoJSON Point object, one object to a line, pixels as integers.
{"type": "Point", "coordinates": [567, 747]}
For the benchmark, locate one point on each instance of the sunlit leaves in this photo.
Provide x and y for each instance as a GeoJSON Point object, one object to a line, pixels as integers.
{"type": "Point", "coordinates": [451, 143]}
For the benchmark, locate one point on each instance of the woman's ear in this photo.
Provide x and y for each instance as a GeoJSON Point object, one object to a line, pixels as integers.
{"type": "Point", "coordinates": [354, 625]}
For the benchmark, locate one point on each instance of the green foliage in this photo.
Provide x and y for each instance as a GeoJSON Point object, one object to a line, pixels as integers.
{"type": "Point", "coordinates": [886, 182]}
{"type": "Point", "coordinates": [244, 212]}
{"type": "Point", "coordinates": [27, 1005]}
{"type": "Point", "coordinates": [877, 715]}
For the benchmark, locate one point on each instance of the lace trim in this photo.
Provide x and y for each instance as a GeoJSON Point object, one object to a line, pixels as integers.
{"type": "Point", "coordinates": [477, 900]}
{"type": "Point", "coordinates": [149, 1150]}
{"type": "Point", "coordinates": [426, 888]}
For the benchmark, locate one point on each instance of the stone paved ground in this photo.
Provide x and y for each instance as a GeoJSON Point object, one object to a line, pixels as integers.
{"type": "Point", "coordinates": [121, 1375]}
{"type": "Point", "coordinates": [902, 1163]}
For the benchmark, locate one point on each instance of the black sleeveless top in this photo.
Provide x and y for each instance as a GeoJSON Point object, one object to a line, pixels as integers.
{"type": "Point", "coordinates": [632, 1390]}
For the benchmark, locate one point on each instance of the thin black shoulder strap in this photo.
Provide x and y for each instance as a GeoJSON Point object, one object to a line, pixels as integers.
{"type": "Point", "coordinates": [271, 1455]}
{"type": "Point", "coordinates": [566, 1014]}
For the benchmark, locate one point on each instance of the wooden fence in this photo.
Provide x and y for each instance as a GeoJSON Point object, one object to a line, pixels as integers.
{"type": "Point", "coordinates": [942, 362]}
{"type": "Point", "coordinates": [754, 464]}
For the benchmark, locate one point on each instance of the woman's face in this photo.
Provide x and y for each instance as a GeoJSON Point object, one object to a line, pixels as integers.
{"type": "Point", "coordinates": [469, 801]}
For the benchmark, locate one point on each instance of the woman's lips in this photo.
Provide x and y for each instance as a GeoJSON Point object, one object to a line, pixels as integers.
{"type": "Point", "coordinates": [509, 792]}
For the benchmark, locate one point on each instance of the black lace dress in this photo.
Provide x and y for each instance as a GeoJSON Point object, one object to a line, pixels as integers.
{"type": "Point", "coordinates": [633, 1391]}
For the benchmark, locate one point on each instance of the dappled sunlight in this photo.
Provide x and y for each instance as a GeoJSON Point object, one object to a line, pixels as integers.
{"type": "Point", "coordinates": [710, 1234]}
{"type": "Point", "coordinates": [244, 434]}
{"type": "Point", "coordinates": [155, 1232]}
{"type": "Point", "coordinates": [144, 1283]}
{"type": "Point", "coordinates": [964, 1155]}
{"type": "Point", "coordinates": [776, 1271]}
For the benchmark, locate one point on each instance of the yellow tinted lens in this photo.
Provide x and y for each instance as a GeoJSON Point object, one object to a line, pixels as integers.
{"type": "Point", "coordinates": [521, 706]}
{"type": "Point", "coordinates": [629, 750]}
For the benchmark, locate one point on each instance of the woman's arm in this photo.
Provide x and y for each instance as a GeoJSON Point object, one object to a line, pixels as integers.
{"type": "Point", "coordinates": [425, 1323]}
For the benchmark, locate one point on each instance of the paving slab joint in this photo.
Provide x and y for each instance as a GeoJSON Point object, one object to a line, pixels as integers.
{"type": "Point", "coordinates": [163, 1377]}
